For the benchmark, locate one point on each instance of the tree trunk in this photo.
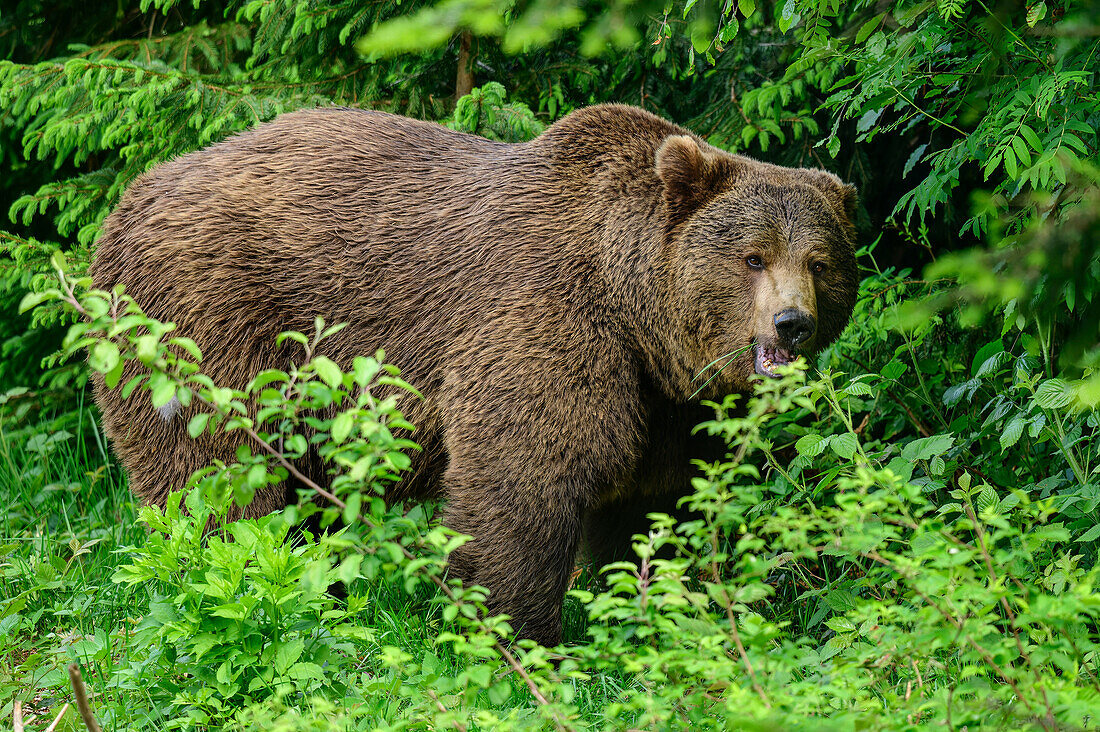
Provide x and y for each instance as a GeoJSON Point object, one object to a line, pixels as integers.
{"type": "Point", "coordinates": [464, 80]}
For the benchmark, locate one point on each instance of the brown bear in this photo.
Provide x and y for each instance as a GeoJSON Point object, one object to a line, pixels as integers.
{"type": "Point", "coordinates": [554, 301]}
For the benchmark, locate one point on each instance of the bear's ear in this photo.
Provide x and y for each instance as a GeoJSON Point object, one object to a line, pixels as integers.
{"type": "Point", "coordinates": [690, 178]}
{"type": "Point", "coordinates": [841, 195]}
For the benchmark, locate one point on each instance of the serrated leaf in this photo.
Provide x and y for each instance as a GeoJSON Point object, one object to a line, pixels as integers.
{"type": "Point", "coordinates": [993, 363]}
{"type": "Point", "coordinates": [893, 370]}
{"type": "Point", "coordinates": [844, 445]}
{"type": "Point", "coordinates": [810, 445]}
{"type": "Point", "coordinates": [925, 448]}
{"type": "Point", "coordinates": [937, 466]}
{"type": "Point", "coordinates": [953, 394]}
{"type": "Point", "coordinates": [986, 498]}
{"type": "Point", "coordinates": [840, 624]}
{"type": "Point", "coordinates": [1053, 394]}
{"type": "Point", "coordinates": [1013, 431]}
{"type": "Point", "coordinates": [840, 601]}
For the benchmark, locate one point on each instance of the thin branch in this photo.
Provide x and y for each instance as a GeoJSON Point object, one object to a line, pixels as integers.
{"type": "Point", "coordinates": [82, 699]}
{"type": "Point", "coordinates": [53, 724]}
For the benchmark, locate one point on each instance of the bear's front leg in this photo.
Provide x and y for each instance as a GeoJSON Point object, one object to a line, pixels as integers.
{"type": "Point", "coordinates": [523, 550]}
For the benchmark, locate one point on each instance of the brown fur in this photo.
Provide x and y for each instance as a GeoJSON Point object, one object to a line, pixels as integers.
{"type": "Point", "coordinates": [553, 300]}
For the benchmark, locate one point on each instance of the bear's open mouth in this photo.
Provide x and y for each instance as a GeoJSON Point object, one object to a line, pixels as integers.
{"type": "Point", "coordinates": [767, 359]}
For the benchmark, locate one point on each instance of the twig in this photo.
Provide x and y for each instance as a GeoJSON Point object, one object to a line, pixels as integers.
{"type": "Point", "coordinates": [81, 700]}
{"type": "Point", "coordinates": [53, 724]}
{"type": "Point", "coordinates": [727, 601]}
{"type": "Point", "coordinates": [439, 705]}
{"type": "Point", "coordinates": [17, 716]}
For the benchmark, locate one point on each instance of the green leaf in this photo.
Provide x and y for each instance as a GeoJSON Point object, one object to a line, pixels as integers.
{"type": "Point", "coordinates": [104, 356]}
{"type": "Point", "coordinates": [289, 652]}
{"type": "Point", "coordinates": [305, 670]}
{"type": "Point", "coordinates": [925, 448]}
{"type": "Point", "coordinates": [1091, 535]}
{"type": "Point", "coordinates": [188, 346]}
{"type": "Point", "coordinates": [257, 476]}
{"type": "Point", "coordinates": [329, 372]}
{"type": "Point", "coordinates": [112, 377]}
{"type": "Point", "coordinates": [1032, 138]}
{"type": "Point", "coordinates": [844, 445]}
{"type": "Point", "coordinates": [197, 424]}
{"type": "Point", "coordinates": [868, 28]}
{"type": "Point", "coordinates": [1053, 394]}
{"type": "Point", "coordinates": [810, 445]}
{"type": "Point", "coordinates": [893, 370]}
{"type": "Point", "coordinates": [1021, 151]}
{"type": "Point", "coordinates": [32, 299]}
{"type": "Point", "coordinates": [857, 388]}
{"type": "Point", "coordinates": [1012, 431]}
{"type": "Point", "coordinates": [986, 498]}
{"type": "Point", "coordinates": [500, 692]}
{"type": "Point", "coordinates": [984, 353]}
{"type": "Point", "coordinates": [747, 7]}
{"type": "Point", "coordinates": [341, 427]}
{"type": "Point", "coordinates": [353, 507]}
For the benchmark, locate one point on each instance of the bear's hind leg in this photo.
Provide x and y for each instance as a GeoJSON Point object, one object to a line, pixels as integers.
{"type": "Point", "coordinates": [523, 552]}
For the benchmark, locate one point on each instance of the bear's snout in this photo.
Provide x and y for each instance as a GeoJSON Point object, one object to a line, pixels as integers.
{"type": "Point", "coordinates": [794, 327]}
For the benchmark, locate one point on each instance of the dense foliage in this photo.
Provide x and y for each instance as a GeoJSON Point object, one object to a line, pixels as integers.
{"type": "Point", "coordinates": [905, 536]}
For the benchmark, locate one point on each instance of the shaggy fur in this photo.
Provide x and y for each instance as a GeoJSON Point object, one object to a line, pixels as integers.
{"type": "Point", "coordinates": [553, 300]}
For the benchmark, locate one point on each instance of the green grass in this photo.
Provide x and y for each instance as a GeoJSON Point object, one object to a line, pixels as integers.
{"type": "Point", "coordinates": [67, 513]}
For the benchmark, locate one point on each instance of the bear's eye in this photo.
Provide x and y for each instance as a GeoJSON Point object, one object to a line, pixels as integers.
{"type": "Point", "coordinates": [754, 262]}
{"type": "Point", "coordinates": [817, 267]}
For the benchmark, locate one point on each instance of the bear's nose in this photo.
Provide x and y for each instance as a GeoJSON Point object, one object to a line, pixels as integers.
{"type": "Point", "coordinates": [794, 327]}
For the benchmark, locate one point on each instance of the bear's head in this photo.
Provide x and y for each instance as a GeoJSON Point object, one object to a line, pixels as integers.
{"type": "Point", "coordinates": [761, 260]}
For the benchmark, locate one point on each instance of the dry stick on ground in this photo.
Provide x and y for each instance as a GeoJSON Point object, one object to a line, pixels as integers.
{"type": "Point", "coordinates": [82, 699]}
{"type": "Point", "coordinates": [74, 673]}
{"type": "Point", "coordinates": [53, 724]}
{"type": "Point", "coordinates": [17, 716]}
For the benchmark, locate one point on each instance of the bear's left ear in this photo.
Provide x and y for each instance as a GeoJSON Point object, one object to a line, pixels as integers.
{"type": "Point", "coordinates": [689, 176]}
{"type": "Point", "coordinates": [841, 195]}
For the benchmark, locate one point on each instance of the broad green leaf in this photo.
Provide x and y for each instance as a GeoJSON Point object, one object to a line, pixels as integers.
{"type": "Point", "coordinates": [104, 356]}
{"type": "Point", "coordinates": [1012, 431]}
{"type": "Point", "coordinates": [197, 424]}
{"type": "Point", "coordinates": [810, 445]}
{"type": "Point", "coordinates": [329, 372]}
{"type": "Point", "coordinates": [1053, 394]}
{"type": "Point", "coordinates": [844, 445]}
